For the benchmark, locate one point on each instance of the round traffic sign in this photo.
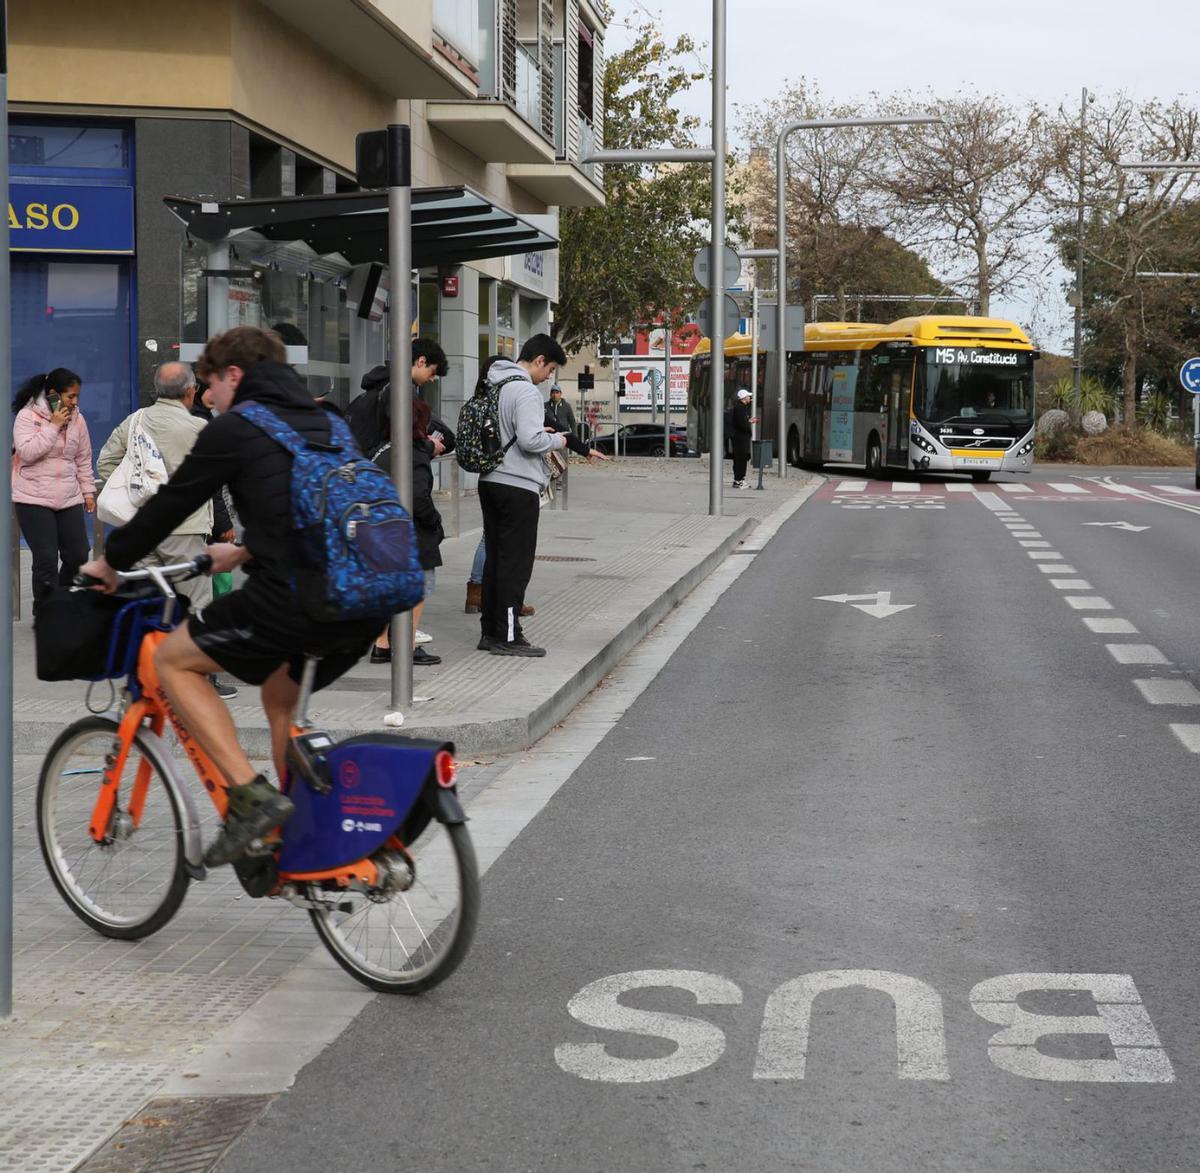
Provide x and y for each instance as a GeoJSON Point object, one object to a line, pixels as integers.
{"type": "Point", "coordinates": [1189, 375]}
{"type": "Point", "coordinates": [731, 267]}
{"type": "Point", "coordinates": [731, 312]}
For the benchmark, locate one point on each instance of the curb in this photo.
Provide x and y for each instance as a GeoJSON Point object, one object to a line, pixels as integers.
{"type": "Point", "coordinates": [504, 734]}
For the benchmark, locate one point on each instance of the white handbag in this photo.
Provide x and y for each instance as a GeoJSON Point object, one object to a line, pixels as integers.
{"type": "Point", "coordinates": [141, 473]}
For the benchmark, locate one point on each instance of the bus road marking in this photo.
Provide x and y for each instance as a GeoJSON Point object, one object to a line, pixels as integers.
{"type": "Point", "coordinates": [957, 488]}
{"type": "Point", "coordinates": [1109, 1005]}
{"type": "Point", "coordinates": [1064, 487]}
{"type": "Point", "coordinates": [906, 487]}
{"type": "Point", "coordinates": [1016, 488]}
{"type": "Point", "coordinates": [851, 486]}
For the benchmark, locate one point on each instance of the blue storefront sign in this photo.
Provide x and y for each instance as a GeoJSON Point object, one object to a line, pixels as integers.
{"type": "Point", "coordinates": [70, 218]}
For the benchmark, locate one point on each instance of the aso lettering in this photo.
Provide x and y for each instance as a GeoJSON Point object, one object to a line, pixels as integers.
{"type": "Point", "coordinates": [39, 216]}
{"type": "Point", "coordinates": [1110, 1007]}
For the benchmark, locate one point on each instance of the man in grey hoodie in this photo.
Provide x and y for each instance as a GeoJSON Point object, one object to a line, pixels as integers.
{"type": "Point", "coordinates": [510, 496]}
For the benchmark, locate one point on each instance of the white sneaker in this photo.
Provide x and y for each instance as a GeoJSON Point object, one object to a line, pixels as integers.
{"type": "Point", "coordinates": [422, 637]}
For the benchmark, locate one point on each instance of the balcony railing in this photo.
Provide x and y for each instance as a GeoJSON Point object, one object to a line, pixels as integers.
{"type": "Point", "coordinates": [528, 96]}
{"type": "Point", "coordinates": [587, 143]}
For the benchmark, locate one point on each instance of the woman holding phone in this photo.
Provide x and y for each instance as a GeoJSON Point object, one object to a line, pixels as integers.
{"type": "Point", "coordinates": [52, 481]}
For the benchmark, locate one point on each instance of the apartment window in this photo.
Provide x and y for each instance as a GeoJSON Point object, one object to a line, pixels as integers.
{"type": "Point", "coordinates": [587, 70]}
{"type": "Point", "coordinates": [458, 22]}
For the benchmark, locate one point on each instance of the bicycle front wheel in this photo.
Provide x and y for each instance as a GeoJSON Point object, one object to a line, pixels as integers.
{"type": "Point", "coordinates": [405, 942]}
{"type": "Point", "coordinates": [129, 882]}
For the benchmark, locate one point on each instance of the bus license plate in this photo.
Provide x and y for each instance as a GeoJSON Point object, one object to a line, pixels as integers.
{"type": "Point", "coordinates": [978, 461]}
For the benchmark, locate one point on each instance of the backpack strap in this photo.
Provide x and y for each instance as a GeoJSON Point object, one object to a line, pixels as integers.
{"type": "Point", "coordinates": [283, 433]}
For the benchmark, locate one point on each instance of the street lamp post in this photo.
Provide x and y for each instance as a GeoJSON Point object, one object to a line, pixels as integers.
{"type": "Point", "coordinates": [1077, 361]}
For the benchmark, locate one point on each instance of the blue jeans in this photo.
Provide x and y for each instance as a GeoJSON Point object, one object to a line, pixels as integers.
{"type": "Point", "coordinates": [477, 564]}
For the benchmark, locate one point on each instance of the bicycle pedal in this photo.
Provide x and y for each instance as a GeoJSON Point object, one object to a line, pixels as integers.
{"type": "Point", "coordinates": [260, 848]}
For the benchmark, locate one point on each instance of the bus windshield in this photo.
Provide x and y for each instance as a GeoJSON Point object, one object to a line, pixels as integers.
{"type": "Point", "coordinates": [955, 385]}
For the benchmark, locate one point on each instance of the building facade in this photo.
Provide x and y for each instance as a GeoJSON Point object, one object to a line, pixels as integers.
{"type": "Point", "coordinates": [114, 107]}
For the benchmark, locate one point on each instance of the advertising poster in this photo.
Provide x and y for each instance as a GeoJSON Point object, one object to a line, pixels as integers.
{"type": "Point", "coordinates": [644, 380]}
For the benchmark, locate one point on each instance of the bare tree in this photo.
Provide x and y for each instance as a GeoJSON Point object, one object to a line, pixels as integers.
{"type": "Point", "coordinates": [834, 245]}
{"type": "Point", "coordinates": [970, 193]}
{"type": "Point", "coordinates": [1132, 220]}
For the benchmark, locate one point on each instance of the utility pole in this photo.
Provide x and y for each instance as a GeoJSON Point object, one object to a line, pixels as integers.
{"type": "Point", "coordinates": [7, 765]}
{"type": "Point", "coordinates": [1077, 362]}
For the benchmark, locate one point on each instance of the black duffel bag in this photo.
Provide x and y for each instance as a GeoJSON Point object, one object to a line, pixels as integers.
{"type": "Point", "coordinates": [72, 631]}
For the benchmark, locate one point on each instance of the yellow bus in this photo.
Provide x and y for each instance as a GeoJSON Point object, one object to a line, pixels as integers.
{"type": "Point", "coordinates": [932, 394]}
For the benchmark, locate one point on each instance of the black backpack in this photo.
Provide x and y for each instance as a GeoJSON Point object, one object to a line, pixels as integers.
{"type": "Point", "coordinates": [368, 419]}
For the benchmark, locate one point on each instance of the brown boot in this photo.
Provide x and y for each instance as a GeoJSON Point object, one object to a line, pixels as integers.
{"type": "Point", "coordinates": [474, 598]}
{"type": "Point", "coordinates": [527, 610]}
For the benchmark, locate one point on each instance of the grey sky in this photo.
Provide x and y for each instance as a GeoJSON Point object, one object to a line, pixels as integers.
{"type": "Point", "coordinates": [1044, 50]}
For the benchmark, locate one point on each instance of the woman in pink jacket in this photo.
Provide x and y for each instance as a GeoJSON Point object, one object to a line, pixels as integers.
{"type": "Point", "coordinates": [52, 481]}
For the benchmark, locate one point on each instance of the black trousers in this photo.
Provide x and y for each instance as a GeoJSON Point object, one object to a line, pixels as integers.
{"type": "Point", "coordinates": [53, 536]}
{"type": "Point", "coordinates": [741, 457]}
{"type": "Point", "coordinates": [510, 523]}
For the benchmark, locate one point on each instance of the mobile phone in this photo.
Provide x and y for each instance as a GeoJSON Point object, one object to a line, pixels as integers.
{"type": "Point", "coordinates": [54, 400]}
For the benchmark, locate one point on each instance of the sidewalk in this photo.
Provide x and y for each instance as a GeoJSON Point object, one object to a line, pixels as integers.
{"type": "Point", "coordinates": [101, 1027]}
{"type": "Point", "coordinates": [634, 540]}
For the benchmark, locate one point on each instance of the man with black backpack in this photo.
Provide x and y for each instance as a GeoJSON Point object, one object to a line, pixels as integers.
{"type": "Point", "coordinates": [290, 606]}
{"type": "Point", "coordinates": [510, 494]}
{"type": "Point", "coordinates": [369, 415]}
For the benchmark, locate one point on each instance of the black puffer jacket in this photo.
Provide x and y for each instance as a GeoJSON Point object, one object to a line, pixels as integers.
{"type": "Point", "coordinates": [232, 451]}
{"type": "Point", "coordinates": [427, 521]}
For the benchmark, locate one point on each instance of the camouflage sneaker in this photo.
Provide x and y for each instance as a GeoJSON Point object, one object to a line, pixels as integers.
{"type": "Point", "coordinates": [254, 809]}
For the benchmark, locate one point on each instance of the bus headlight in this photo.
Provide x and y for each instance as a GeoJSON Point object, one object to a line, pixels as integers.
{"type": "Point", "coordinates": [923, 444]}
{"type": "Point", "coordinates": [1025, 448]}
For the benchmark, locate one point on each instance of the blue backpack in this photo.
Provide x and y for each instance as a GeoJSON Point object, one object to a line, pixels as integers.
{"type": "Point", "coordinates": [353, 548]}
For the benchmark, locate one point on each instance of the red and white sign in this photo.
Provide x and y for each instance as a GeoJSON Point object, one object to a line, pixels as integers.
{"type": "Point", "coordinates": [642, 376]}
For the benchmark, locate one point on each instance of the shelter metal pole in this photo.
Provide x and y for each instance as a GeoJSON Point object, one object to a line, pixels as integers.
{"type": "Point", "coordinates": [716, 268]}
{"type": "Point", "coordinates": [400, 373]}
{"type": "Point", "coordinates": [755, 432]}
{"type": "Point", "coordinates": [667, 338]}
{"type": "Point", "coordinates": [6, 581]}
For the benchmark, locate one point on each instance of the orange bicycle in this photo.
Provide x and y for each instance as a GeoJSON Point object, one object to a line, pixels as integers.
{"type": "Point", "coordinates": [377, 851]}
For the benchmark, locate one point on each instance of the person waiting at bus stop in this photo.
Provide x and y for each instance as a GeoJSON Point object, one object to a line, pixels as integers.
{"type": "Point", "coordinates": [740, 432]}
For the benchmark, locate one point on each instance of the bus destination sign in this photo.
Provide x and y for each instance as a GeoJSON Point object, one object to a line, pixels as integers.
{"type": "Point", "coordinates": [978, 358]}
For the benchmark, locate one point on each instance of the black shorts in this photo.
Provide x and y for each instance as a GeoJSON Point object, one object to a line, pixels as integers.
{"type": "Point", "coordinates": [251, 632]}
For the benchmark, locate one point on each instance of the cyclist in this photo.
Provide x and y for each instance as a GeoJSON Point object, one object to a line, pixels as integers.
{"type": "Point", "coordinates": [259, 633]}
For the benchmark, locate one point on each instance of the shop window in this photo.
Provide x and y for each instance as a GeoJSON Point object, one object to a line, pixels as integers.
{"type": "Point", "coordinates": [62, 147]}
{"type": "Point", "coordinates": [76, 315]}
{"type": "Point", "coordinates": [504, 308]}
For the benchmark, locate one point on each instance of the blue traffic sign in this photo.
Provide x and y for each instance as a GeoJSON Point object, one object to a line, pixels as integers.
{"type": "Point", "coordinates": [1189, 375]}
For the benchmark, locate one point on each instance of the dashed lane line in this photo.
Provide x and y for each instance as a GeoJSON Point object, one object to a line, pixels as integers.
{"type": "Point", "coordinates": [1177, 490]}
{"type": "Point", "coordinates": [1016, 488]}
{"type": "Point", "coordinates": [1054, 555]}
{"type": "Point", "coordinates": [1056, 568]}
{"type": "Point", "coordinates": [1136, 654]}
{"type": "Point", "coordinates": [1064, 487]}
{"type": "Point", "coordinates": [1033, 545]}
{"type": "Point", "coordinates": [1105, 626]}
{"type": "Point", "coordinates": [1189, 735]}
{"type": "Point", "coordinates": [957, 488]}
{"type": "Point", "coordinates": [1168, 692]}
{"type": "Point", "coordinates": [852, 486]}
{"type": "Point", "coordinates": [1088, 603]}
{"type": "Point", "coordinates": [1071, 584]}
{"type": "Point", "coordinates": [906, 487]}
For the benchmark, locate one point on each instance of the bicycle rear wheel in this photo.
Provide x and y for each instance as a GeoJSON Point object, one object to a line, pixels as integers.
{"type": "Point", "coordinates": [133, 881]}
{"type": "Point", "coordinates": [405, 942]}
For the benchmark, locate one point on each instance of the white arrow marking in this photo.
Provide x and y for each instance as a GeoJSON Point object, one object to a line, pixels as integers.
{"type": "Point", "coordinates": [880, 608]}
{"type": "Point", "coordinates": [1133, 529]}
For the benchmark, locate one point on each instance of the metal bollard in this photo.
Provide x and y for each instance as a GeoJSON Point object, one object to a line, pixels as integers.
{"type": "Point", "coordinates": [16, 568]}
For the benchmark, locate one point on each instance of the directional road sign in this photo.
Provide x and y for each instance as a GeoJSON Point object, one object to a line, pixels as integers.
{"type": "Point", "coordinates": [1189, 375]}
{"type": "Point", "coordinates": [731, 267]}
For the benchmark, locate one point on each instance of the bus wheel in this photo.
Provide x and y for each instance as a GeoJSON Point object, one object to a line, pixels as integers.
{"type": "Point", "coordinates": [874, 456]}
{"type": "Point", "coordinates": [982, 475]}
{"type": "Point", "coordinates": [793, 450]}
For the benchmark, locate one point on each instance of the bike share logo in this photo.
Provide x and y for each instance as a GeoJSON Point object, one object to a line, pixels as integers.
{"type": "Point", "coordinates": [349, 775]}
{"type": "Point", "coordinates": [349, 825]}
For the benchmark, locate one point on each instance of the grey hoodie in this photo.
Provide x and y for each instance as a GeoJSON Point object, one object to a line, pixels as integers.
{"type": "Point", "coordinates": [522, 414]}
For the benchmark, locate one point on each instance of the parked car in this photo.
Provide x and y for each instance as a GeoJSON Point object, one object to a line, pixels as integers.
{"type": "Point", "coordinates": [644, 440]}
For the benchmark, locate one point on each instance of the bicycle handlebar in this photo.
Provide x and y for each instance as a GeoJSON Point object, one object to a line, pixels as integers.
{"type": "Point", "coordinates": [159, 575]}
